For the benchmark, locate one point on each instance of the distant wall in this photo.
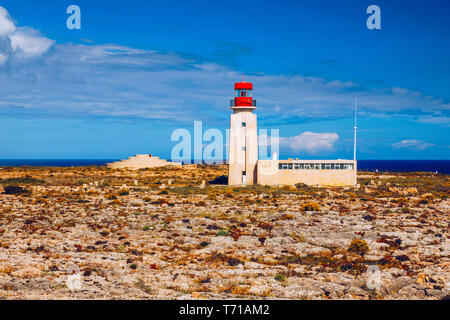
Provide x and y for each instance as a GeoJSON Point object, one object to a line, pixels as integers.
{"type": "Point", "coordinates": [268, 173]}
{"type": "Point", "coordinates": [141, 161]}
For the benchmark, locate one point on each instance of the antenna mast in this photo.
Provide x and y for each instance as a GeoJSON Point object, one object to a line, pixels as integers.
{"type": "Point", "coordinates": [354, 143]}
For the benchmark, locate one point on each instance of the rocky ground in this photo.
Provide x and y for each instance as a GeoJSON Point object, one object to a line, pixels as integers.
{"type": "Point", "coordinates": [166, 233]}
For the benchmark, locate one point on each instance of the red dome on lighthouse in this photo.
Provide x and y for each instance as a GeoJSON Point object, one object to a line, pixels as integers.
{"type": "Point", "coordinates": [243, 96]}
{"type": "Point", "coordinates": [243, 85]}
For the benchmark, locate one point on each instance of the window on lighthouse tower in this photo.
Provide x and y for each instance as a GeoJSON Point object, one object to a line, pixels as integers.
{"type": "Point", "coordinates": [243, 93]}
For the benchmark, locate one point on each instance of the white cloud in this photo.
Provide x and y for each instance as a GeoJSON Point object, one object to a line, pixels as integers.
{"type": "Point", "coordinates": [27, 43]}
{"type": "Point", "coordinates": [111, 54]}
{"type": "Point", "coordinates": [6, 25]}
{"type": "Point", "coordinates": [310, 142]}
{"type": "Point", "coordinates": [413, 144]}
{"type": "Point", "coordinates": [434, 119]}
{"type": "Point", "coordinates": [20, 42]}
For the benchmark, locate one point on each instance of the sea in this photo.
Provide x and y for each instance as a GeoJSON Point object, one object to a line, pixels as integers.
{"type": "Point", "coordinates": [440, 166]}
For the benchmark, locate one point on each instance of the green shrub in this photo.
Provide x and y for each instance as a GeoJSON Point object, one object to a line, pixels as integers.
{"type": "Point", "coordinates": [22, 180]}
{"type": "Point", "coordinates": [358, 246]}
{"type": "Point", "coordinates": [16, 190]}
{"type": "Point", "coordinates": [124, 192]}
{"type": "Point", "coordinates": [204, 244]}
{"type": "Point", "coordinates": [222, 233]}
{"type": "Point", "coordinates": [310, 206]}
{"type": "Point", "coordinates": [280, 277]}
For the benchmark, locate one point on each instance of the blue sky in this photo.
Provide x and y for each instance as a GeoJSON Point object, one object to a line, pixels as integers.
{"type": "Point", "coordinates": [137, 70]}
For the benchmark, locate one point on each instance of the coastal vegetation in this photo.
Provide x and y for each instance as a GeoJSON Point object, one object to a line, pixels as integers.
{"type": "Point", "coordinates": [169, 233]}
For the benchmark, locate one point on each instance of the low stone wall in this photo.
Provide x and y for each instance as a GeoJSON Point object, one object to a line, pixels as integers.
{"type": "Point", "coordinates": [268, 173]}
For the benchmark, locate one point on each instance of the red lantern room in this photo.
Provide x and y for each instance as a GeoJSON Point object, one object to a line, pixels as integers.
{"type": "Point", "coordinates": [243, 97]}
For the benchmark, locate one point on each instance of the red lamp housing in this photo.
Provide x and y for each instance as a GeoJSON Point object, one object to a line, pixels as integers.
{"type": "Point", "coordinates": [243, 95]}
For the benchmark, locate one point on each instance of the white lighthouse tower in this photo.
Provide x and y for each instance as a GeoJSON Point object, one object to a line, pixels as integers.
{"type": "Point", "coordinates": [243, 143]}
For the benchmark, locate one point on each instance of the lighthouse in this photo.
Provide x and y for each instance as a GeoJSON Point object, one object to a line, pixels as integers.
{"type": "Point", "coordinates": [243, 143]}
{"type": "Point", "coordinates": [245, 168]}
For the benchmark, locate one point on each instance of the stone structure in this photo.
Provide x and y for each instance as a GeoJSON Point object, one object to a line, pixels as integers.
{"type": "Point", "coordinates": [246, 169]}
{"type": "Point", "coordinates": [141, 161]}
